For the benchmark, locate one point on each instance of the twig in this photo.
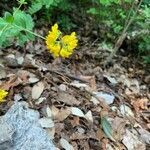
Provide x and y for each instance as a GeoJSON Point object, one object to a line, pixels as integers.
{"type": "Point", "coordinates": [123, 35]}
{"type": "Point", "coordinates": [68, 75]}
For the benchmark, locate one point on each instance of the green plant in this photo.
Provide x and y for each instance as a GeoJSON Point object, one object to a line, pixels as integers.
{"type": "Point", "coordinates": [144, 48]}
{"type": "Point", "coordinates": [119, 19]}
{"type": "Point", "coordinates": [37, 5]}
{"type": "Point", "coordinates": [111, 14]}
{"type": "Point", "coordinates": [143, 23]}
{"type": "Point", "coordinates": [53, 10]}
{"type": "Point", "coordinates": [16, 25]}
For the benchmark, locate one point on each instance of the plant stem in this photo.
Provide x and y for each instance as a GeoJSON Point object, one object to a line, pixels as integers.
{"type": "Point", "coordinates": [5, 27]}
{"type": "Point", "coordinates": [21, 28]}
{"type": "Point", "coordinates": [17, 9]}
{"type": "Point", "coordinates": [123, 35]}
{"type": "Point", "coordinates": [35, 34]}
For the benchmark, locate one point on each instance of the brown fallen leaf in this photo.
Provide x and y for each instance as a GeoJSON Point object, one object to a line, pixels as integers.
{"type": "Point", "coordinates": [75, 145]}
{"type": "Point", "coordinates": [55, 111]}
{"type": "Point", "coordinates": [104, 143]}
{"type": "Point", "coordinates": [78, 136]}
{"type": "Point", "coordinates": [67, 99]}
{"type": "Point", "coordinates": [27, 77]}
{"type": "Point", "coordinates": [91, 81]}
{"type": "Point", "coordinates": [75, 121]}
{"type": "Point", "coordinates": [140, 104]}
{"type": "Point", "coordinates": [65, 144]}
{"type": "Point", "coordinates": [37, 90]}
{"type": "Point", "coordinates": [63, 114]}
{"type": "Point", "coordinates": [118, 128]}
{"type": "Point", "coordinates": [12, 82]}
{"type": "Point", "coordinates": [23, 75]}
{"type": "Point", "coordinates": [132, 141]}
{"type": "Point", "coordinates": [100, 134]}
{"type": "Point", "coordinates": [59, 127]}
{"type": "Point", "coordinates": [60, 114]}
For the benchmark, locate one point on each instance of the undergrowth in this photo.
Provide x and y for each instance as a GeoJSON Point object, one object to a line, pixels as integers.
{"type": "Point", "coordinates": [111, 16]}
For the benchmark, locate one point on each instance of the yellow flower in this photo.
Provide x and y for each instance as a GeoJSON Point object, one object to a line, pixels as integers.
{"type": "Point", "coordinates": [55, 49]}
{"type": "Point", "coordinates": [3, 94]}
{"type": "Point", "coordinates": [70, 41]}
{"type": "Point", "coordinates": [51, 40]}
{"type": "Point", "coordinates": [65, 53]}
{"type": "Point", "coordinates": [60, 46]}
{"type": "Point", "coordinates": [54, 34]}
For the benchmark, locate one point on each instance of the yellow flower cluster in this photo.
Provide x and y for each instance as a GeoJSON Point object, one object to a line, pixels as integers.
{"type": "Point", "coordinates": [58, 45]}
{"type": "Point", "coordinates": [3, 94]}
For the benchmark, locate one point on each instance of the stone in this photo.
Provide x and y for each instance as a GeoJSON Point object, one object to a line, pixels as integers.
{"type": "Point", "coordinates": [21, 130]}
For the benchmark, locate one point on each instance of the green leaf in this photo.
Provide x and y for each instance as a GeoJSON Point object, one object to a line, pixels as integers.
{"type": "Point", "coordinates": [35, 6]}
{"type": "Point", "coordinates": [105, 2]}
{"type": "Point", "coordinates": [22, 1]}
{"type": "Point", "coordinates": [107, 128]}
{"type": "Point", "coordinates": [48, 3]}
{"type": "Point", "coordinates": [8, 17]}
{"type": "Point", "coordinates": [23, 20]}
{"type": "Point", "coordinates": [3, 23]}
{"type": "Point", "coordinates": [22, 39]}
{"type": "Point", "coordinates": [93, 11]}
{"type": "Point", "coordinates": [15, 27]}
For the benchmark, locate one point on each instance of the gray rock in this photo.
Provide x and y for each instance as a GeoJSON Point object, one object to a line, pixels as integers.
{"type": "Point", "coordinates": [6, 134]}
{"type": "Point", "coordinates": [20, 130]}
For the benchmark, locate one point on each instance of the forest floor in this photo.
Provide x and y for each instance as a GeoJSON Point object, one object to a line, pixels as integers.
{"type": "Point", "coordinates": [92, 107]}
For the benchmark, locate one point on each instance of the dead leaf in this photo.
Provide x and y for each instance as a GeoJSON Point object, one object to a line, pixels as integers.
{"type": "Point", "coordinates": [77, 112]}
{"type": "Point", "coordinates": [94, 100]}
{"type": "Point", "coordinates": [60, 114]}
{"type": "Point", "coordinates": [51, 132]}
{"type": "Point", "coordinates": [104, 144]}
{"type": "Point", "coordinates": [75, 121]}
{"type": "Point", "coordinates": [112, 80]}
{"type": "Point", "coordinates": [2, 73]}
{"type": "Point", "coordinates": [27, 77]}
{"type": "Point", "coordinates": [91, 81]}
{"type": "Point", "coordinates": [55, 111]}
{"type": "Point", "coordinates": [63, 114]}
{"type": "Point", "coordinates": [77, 84]}
{"type": "Point", "coordinates": [63, 87]}
{"type": "Point", "coordinates": [78, 136]}
{"type": "Point", "coordinates": [132, 142]}
{"type": "Point", "coordinates": [65, 144]}
{"type": "Point", "coordinates": [59, 127]}
{"type": "Point", "coordinates": [108, 98]}
{"type": "Point", "coordinates": [140, 104]}
{"type": "Point", "coordinates": [118, 128]}
{"type": "Point", "coordinates": [12, 82]}
{"type": "Point", "coordinates": [40, 100]}
{"type": "Point", "coordinates": [20, 60]}
{"type": "Point", "coordinates": [37, 90]}
{"type": "Point", "coordinates": [100, 134]}
{"type": "Point", "coordinates": [89, 116]}
{"type": "Point", "coordinates": [67, 99]}
{"type": "Point", "coordinates": [107, 128]}
{"type": "Point", "coordinates": [145, 135]}
{"type": "Point", "coordinates": [126, 111]}
{"type": "Point", "coordinates": [33, 80]}
{"type": "Point", "coordinates": [46, 122]}
{"type": "Point", "coordinates": [48, 112]}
